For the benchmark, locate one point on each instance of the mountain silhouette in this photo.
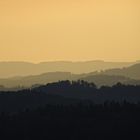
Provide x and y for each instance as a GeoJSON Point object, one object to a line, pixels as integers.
{"type": "Point", "coordinates": [131, 72]}
{"type": "Point", "coordinates": [127, 75]}
{"type": "Point", "coordinates": [67, 92]}
{"type": "Point", "coordinates": [67, 110]}
{"type": "Point", "coordinates": [110, 80]}
{"type": "Point", "coordinates": [45, 78]}
{"type": "Point", "coordinates": [12, 69]}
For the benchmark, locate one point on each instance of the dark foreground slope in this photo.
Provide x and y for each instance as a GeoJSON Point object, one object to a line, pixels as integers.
{"type": "Point", "coordinates": [71, 111]}
{"type": "Point", "coordinates": [66, 93]}
{"type": "Point", "coordinates": [111, 121]}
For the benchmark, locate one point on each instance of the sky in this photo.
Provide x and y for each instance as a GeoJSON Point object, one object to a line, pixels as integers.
{"type": "Point", "coordinates": [75, 30]}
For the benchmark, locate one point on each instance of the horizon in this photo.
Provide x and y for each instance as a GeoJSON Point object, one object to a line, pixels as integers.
{"type": "Point", "coordinates": [69, 61]}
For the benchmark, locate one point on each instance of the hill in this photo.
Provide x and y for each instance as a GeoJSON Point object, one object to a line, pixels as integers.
{"type": "Point", "coordinates": [66, 92]}
{"type": "Point", "coordinates": [12, 69]}
{"type": "Point", "coordinates": [35, 80]}
{"type": "Point", "coordinates": [129, 75]}
{"type": "Point", "coordinates": [14, 84]}
{"type": "Point", "coordinates": [110, 80]}
{"type": "Point", "coordinates": [71, 111]}
{"type": "Point", "coordinates": [131, 72]}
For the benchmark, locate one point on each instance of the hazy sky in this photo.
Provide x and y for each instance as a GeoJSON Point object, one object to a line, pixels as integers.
{"type": "Point", "coordinates": [44, 30]}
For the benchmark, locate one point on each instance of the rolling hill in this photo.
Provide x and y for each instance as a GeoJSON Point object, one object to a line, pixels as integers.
{"type": "Point", "coordinates": [110, 80]}
{"type": "Point", "coordinates": [129, 75]}
{"type": "Point", "coordinates": [12, 69]}
{"type": "Point", "coordinates": [131, 72]}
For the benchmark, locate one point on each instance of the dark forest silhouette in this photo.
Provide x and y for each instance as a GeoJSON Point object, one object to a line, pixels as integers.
{"type": "Point", "coordinates": [75, 110]}
{"type": "Point", "coordinates": [66, 92]}
{"type": "Point", "coordinates": [110, 120]}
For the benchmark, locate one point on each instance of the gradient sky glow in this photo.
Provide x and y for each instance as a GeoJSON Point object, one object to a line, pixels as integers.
{"type": "Point", "coordinates": [49, 30]}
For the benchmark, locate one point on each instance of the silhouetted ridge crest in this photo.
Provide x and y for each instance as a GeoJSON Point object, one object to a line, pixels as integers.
{"type": "Point", "coordinates": [66, 93]}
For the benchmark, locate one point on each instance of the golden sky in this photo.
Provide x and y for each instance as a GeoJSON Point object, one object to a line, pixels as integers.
{"type": "Point", "coordinates": [49, 30]}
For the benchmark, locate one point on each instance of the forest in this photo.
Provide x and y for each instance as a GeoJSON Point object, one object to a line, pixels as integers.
{"type": "Point", "coordinates": [75, 110]}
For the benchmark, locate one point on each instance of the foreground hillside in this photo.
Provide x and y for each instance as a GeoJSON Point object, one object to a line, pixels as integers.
{"type": "Point", "coordinates": [67, 110]}
{"type": "Point", "coordinates": [109, 121]}
{"type": "Point", "coordinates": [66, 93]}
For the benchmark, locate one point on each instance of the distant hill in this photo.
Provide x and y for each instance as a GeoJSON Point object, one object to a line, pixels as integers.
{"type": "Point", "coordinates": [129, 75]}
{"type": "Point", "coordinates": [35, 81]}
{"type": "Point", "coordinates": [45, 78]}
{"type": "Point", "coordinates": [131, 72]}
{"type": "Point", "coordinates": [108, 80]}
{"type": "Point", "coordinates": [11, 69]}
